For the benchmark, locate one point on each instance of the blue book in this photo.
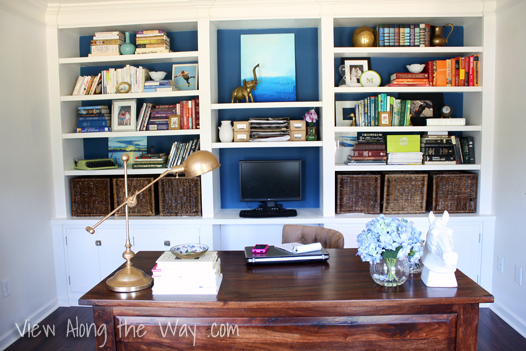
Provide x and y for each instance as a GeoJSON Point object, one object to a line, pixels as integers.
{"type": "Point", "coordinates": [160, 126]}
{"type": "Point", "coordinates": [93, 107]}
{"type": "Point", "coordinates": [94, 118]}
{"type": "Point", "coordinates": [93, 129]}
{"type": "Point", "coordinates": [83, 124]}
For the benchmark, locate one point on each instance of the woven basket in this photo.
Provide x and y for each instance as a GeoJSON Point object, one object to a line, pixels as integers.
{"type": "Point", "coordinates": [180, 196]}
{"type": "Point", "coordinates": [405, 192]}
{"type": "Point", "coordinates": [358, 192]}
{"type": "Point", "coordinates": [146, 202]}
{"type": "Point", "coordinates": [90, 196]}
{"type": "Point", "coordinates": [455, 192]}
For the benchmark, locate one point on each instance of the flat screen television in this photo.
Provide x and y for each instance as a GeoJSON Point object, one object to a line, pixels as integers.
{"type": "Point", "coordinates": [269, 181]}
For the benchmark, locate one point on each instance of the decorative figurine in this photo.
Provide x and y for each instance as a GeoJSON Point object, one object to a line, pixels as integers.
{"type": "Point", "coordinates": [353, 120]}
{"type": "Point", "coordinates": [439, 259]}
{"type": "Point", "coordinates": [245, 92]}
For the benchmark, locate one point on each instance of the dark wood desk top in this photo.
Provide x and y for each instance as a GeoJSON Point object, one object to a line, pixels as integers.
{"type": "Point", "coordinates": [344, 281]}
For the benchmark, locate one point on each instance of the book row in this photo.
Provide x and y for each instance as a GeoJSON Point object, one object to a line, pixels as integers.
{"type": "Point", "coordinates": [181, 150]}
{"type": "Point", "coordinates": [183, 115]}
{"type": "Point", "coordinates": [404, 34]}
{"type": "Point", "coordinates": [146, 42]}
{"type": "Point", "coordinates": [129, 79]}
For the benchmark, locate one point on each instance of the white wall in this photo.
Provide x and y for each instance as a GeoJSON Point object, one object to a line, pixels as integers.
{"type": "Point", "coordinates": [26, 194]}
{"type": "Point", "coordinates": [510, 166]}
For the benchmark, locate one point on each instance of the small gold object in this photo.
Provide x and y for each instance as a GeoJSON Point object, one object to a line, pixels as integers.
{"type": "Point", "coordinates": [364, 37]}
{"type": "Point", "coordinates": [353, 119]}
{"type": "Point", "coordinates": [129, 278]}
{"type": "Point", "coordinates": [123, 88]}
{"type": "Point", "coordinates": [245, 92]}
{"type": "Point", "coordinates": [437, 38]}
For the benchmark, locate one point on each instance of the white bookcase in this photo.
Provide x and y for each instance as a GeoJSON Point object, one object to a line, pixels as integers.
{"type": "Point", "coordinates": [65, 64]}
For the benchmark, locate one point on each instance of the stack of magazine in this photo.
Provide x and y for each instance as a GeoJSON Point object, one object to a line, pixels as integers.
{"type": "Point", "coordinates": [190, 276]}
{"type": "Point", "coordinates": [269, 129]}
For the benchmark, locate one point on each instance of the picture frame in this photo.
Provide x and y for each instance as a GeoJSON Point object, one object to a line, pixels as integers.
{"type": "Point", "coordinates": [174, 122]}
{"type": "Point", "coordinates": [385, 118]}
{"type": "Point", "coordinates": [185, 76]}
{"type": "Point", "coordinates": [340, 106]}
{"type": "Point", "coordinates": [124, 115]}
{"type": "Point", "coordinates": [354, 67]}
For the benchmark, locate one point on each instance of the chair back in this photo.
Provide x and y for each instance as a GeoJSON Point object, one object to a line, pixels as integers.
{"type": "Point", "coordinates": [329, 238]}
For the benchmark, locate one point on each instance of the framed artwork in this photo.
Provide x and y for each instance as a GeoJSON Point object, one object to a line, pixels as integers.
{"type": "Point", "coordinates": [424, 106]}
{"type": "Point", "coordinates": [124, 115]}
{"type": "Point", "coordinates": [354, 67]}
{"type": "Point", "coordinates": [133, 146]}
{"type": "Point", "coordinates": [385, 118]}
{"type": "Point", "coordinates": [344, 109]}
{"type": "Point", "coordinates": [174, 122]}
{"type": "Point", "coordinates": [276, 74]}
{"type": "Point", "coordinates": [185, 76]}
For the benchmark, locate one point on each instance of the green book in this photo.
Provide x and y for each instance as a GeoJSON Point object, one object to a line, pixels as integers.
{"type": "Point", "coordinates": [403, 143]}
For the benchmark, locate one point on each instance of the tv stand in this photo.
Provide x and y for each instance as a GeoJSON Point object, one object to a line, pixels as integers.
{"type": "Point", "coordinates": [268, 209]}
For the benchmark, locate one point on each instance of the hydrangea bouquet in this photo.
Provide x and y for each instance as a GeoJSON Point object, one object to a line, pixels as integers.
{"type": "Point", "coordinates": [390, 239]}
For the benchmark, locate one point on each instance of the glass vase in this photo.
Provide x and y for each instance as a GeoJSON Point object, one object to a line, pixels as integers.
{"type": "Point", "coordinates": [390, 271]}
{"type": "Point", "coordinates": [416, 267]}
{"type": "Point", "coordinates": [311, 134]}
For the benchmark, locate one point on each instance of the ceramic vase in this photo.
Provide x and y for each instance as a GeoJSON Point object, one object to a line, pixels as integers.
{"type": "Point", "coordinates": [226, 132]}
{"type": "Point", "coordinates": [311, 134]}
{"type": "Point", "coordinates": [390, 272]}
{"type": "Point", "coordinates": [127, 48]}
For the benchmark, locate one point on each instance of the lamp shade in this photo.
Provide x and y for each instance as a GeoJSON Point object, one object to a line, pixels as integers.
{"type": "Point", "coordinates": [200, 162]}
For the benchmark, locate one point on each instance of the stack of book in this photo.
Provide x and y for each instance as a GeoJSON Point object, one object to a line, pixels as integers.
{"type": "Point", "coordinates": [159, 118]}
{"type": "Point", "coordinates": [369, 148]}
{"type": "Point", "coordinates": [153, 86]}
{"type": "Point", "coordinates": [106, 44]}
{"type": "Point", "coordinates": [150, 160]}
{"type": "Point", "coordinates": [181, 150]}
{"type": "Point", "coordinates": [175, 276]}
{"type": "Point", "coordinates": [151, 42]}
{"type": "Point", "coordinates": [88, 85]}
{"type": "Point", "coordinates": [409, 80]}
{"type": "Point", "coordinates": [269, 129]}
{"type": "Point", "coordinates": [106, 82]}
{"type": "Point", "coordinates": [404, 34]}
{"type": "Point", "coordinates": [454, 72]}
{"type": "Point", "coordinates": [447, 149]}
{"type": "Point", "coordinates": [93, 119]}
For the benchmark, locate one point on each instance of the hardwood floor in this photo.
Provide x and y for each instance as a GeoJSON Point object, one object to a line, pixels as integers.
{"type": "Point", "coordinates": [70, 333]}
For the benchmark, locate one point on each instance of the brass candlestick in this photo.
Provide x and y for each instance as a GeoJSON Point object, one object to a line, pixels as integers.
{"type": "Point", "coordinates": [129, 278]}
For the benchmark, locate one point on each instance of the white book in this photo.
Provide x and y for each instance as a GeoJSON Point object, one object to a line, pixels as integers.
{"type": "Point", "coordinates": [299, 247]}
{"type": "Point", "coordinates": [77, 85]}
{"type": "Point", "coordinates": [206, 261]}
{"type": "Point", "coordinates": [446, 121]}
{"type": "Point", "coordinates": [162, 290]}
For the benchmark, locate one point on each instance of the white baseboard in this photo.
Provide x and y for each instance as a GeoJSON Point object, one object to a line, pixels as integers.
{"type": "Point", "coordinates": [36, 317]}
{"type": "Point", "coordinates": [509, 317]}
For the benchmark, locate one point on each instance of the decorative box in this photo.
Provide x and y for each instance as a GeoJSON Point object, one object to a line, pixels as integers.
{"type": "Point", "coordinates": [90, 196]}
{"type": "Point", "coordinates": [146, 202]}
{"type": "Point", "coordinates": [405, 192]}
{"type": "Point", "coordinates": [455, 192]}
{"type": "Point", "coordinates": [298, 125]}
{"type": "Point", "coordinates": [297, 135]}
{"type": "Point", "coordinates": [403, 143]}
{"type": "Point", "coordinates": [180, 196]}
{"type": "Point", "coordinates": [358, 192]}
{"type": "Point", "coordinates": [242, 136]}
{"type": "Point", "coordinates": [241, 126]}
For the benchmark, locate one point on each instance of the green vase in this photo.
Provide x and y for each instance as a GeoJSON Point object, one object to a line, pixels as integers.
{"type": "Point", "coordinates": [311, 134]}
{"type": "Point", "coordinates": [127, 48]}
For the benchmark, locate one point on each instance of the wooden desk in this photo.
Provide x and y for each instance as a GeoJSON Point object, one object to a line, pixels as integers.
{"type": "Point", "coordinates": [326, 306]}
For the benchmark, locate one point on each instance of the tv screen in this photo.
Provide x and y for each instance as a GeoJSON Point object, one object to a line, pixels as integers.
{"type": "Point", "coordinates": [270, 180]}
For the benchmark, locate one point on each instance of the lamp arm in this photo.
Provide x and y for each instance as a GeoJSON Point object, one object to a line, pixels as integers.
{"type": "Point", "coordinates": [174, 170]}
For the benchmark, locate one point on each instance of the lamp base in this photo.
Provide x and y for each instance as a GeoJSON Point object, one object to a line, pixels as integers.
{"type": "Point", "coordinates": [129, 279]}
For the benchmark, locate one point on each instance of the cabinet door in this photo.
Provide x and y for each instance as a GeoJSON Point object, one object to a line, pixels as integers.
{"type": "Point", "coordinates": [83, 259]}
{"type": "Point", "coordinates": [112, 246]}
{"type": "Point", "coordinates": [466, 244]}
{"type": "Point", "coordinates": [162, 239]}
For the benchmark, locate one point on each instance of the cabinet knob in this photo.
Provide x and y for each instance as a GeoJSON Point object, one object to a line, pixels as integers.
{"type": "Point", "coordinates": [167, 243]}
{"type": "Point", "coordinates": [98, 243]}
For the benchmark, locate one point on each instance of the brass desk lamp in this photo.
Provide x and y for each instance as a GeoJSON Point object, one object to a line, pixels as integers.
{"type": "Point", "coordinates": [129, 278]}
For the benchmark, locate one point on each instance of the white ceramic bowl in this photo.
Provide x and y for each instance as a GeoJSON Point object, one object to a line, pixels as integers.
{"type": "Point", "coordinates": [189, 250]}
{"type": "Point", "coordinates": [415, 67]}
{"type": "Point", "coordinates": [158, 75]}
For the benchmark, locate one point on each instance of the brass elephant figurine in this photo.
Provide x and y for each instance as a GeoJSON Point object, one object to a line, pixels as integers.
{"type": "Point", "coordinates": [245, 92]}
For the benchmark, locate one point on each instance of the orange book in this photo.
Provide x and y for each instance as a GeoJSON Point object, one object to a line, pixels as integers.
{"type": "Point", "coordinates": [441, 73]}
{"type": "Point", "coordinates": [453, 71]}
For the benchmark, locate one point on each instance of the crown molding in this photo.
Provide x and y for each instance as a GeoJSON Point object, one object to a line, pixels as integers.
{"type": "Point", "coordinates": [31, 10]}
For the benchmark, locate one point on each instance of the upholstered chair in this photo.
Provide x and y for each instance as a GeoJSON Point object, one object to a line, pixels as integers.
{"type": "Point", "coordinates": [329, 238]}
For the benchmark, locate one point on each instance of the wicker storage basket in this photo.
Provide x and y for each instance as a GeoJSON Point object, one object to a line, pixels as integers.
{"type": "Point", "coordinates": [90, 196]}
{"type": "Point", "coordinates": [455, 192]}
{"type": "Point", "coordinates": [405, 192]}
{"type": "Point", "coordinates": [358, 192]}
{"type": "Point", "coordinates": [146, 202]}
{"type": "Point", "coordinates": [180, 196]}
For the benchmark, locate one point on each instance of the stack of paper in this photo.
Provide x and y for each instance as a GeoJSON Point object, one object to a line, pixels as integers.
{"type": "Point", "coordinates": [269, 129]}
{"type": "Point", "coordinates": [199, 276]}
{"type": "Point", "coordinates": [300, 248]}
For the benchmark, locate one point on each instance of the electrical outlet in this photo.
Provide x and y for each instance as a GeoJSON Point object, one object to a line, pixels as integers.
{"type": "Point", "coordinates": [6, 288]}
{"type": "Point", "coordinates": [518, 275]}
{"type": "Point", "coordinates": [500, 264]}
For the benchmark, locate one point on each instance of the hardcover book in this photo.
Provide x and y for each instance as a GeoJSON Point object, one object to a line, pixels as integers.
{"type": "Point", "coordinates": [403, 143]}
